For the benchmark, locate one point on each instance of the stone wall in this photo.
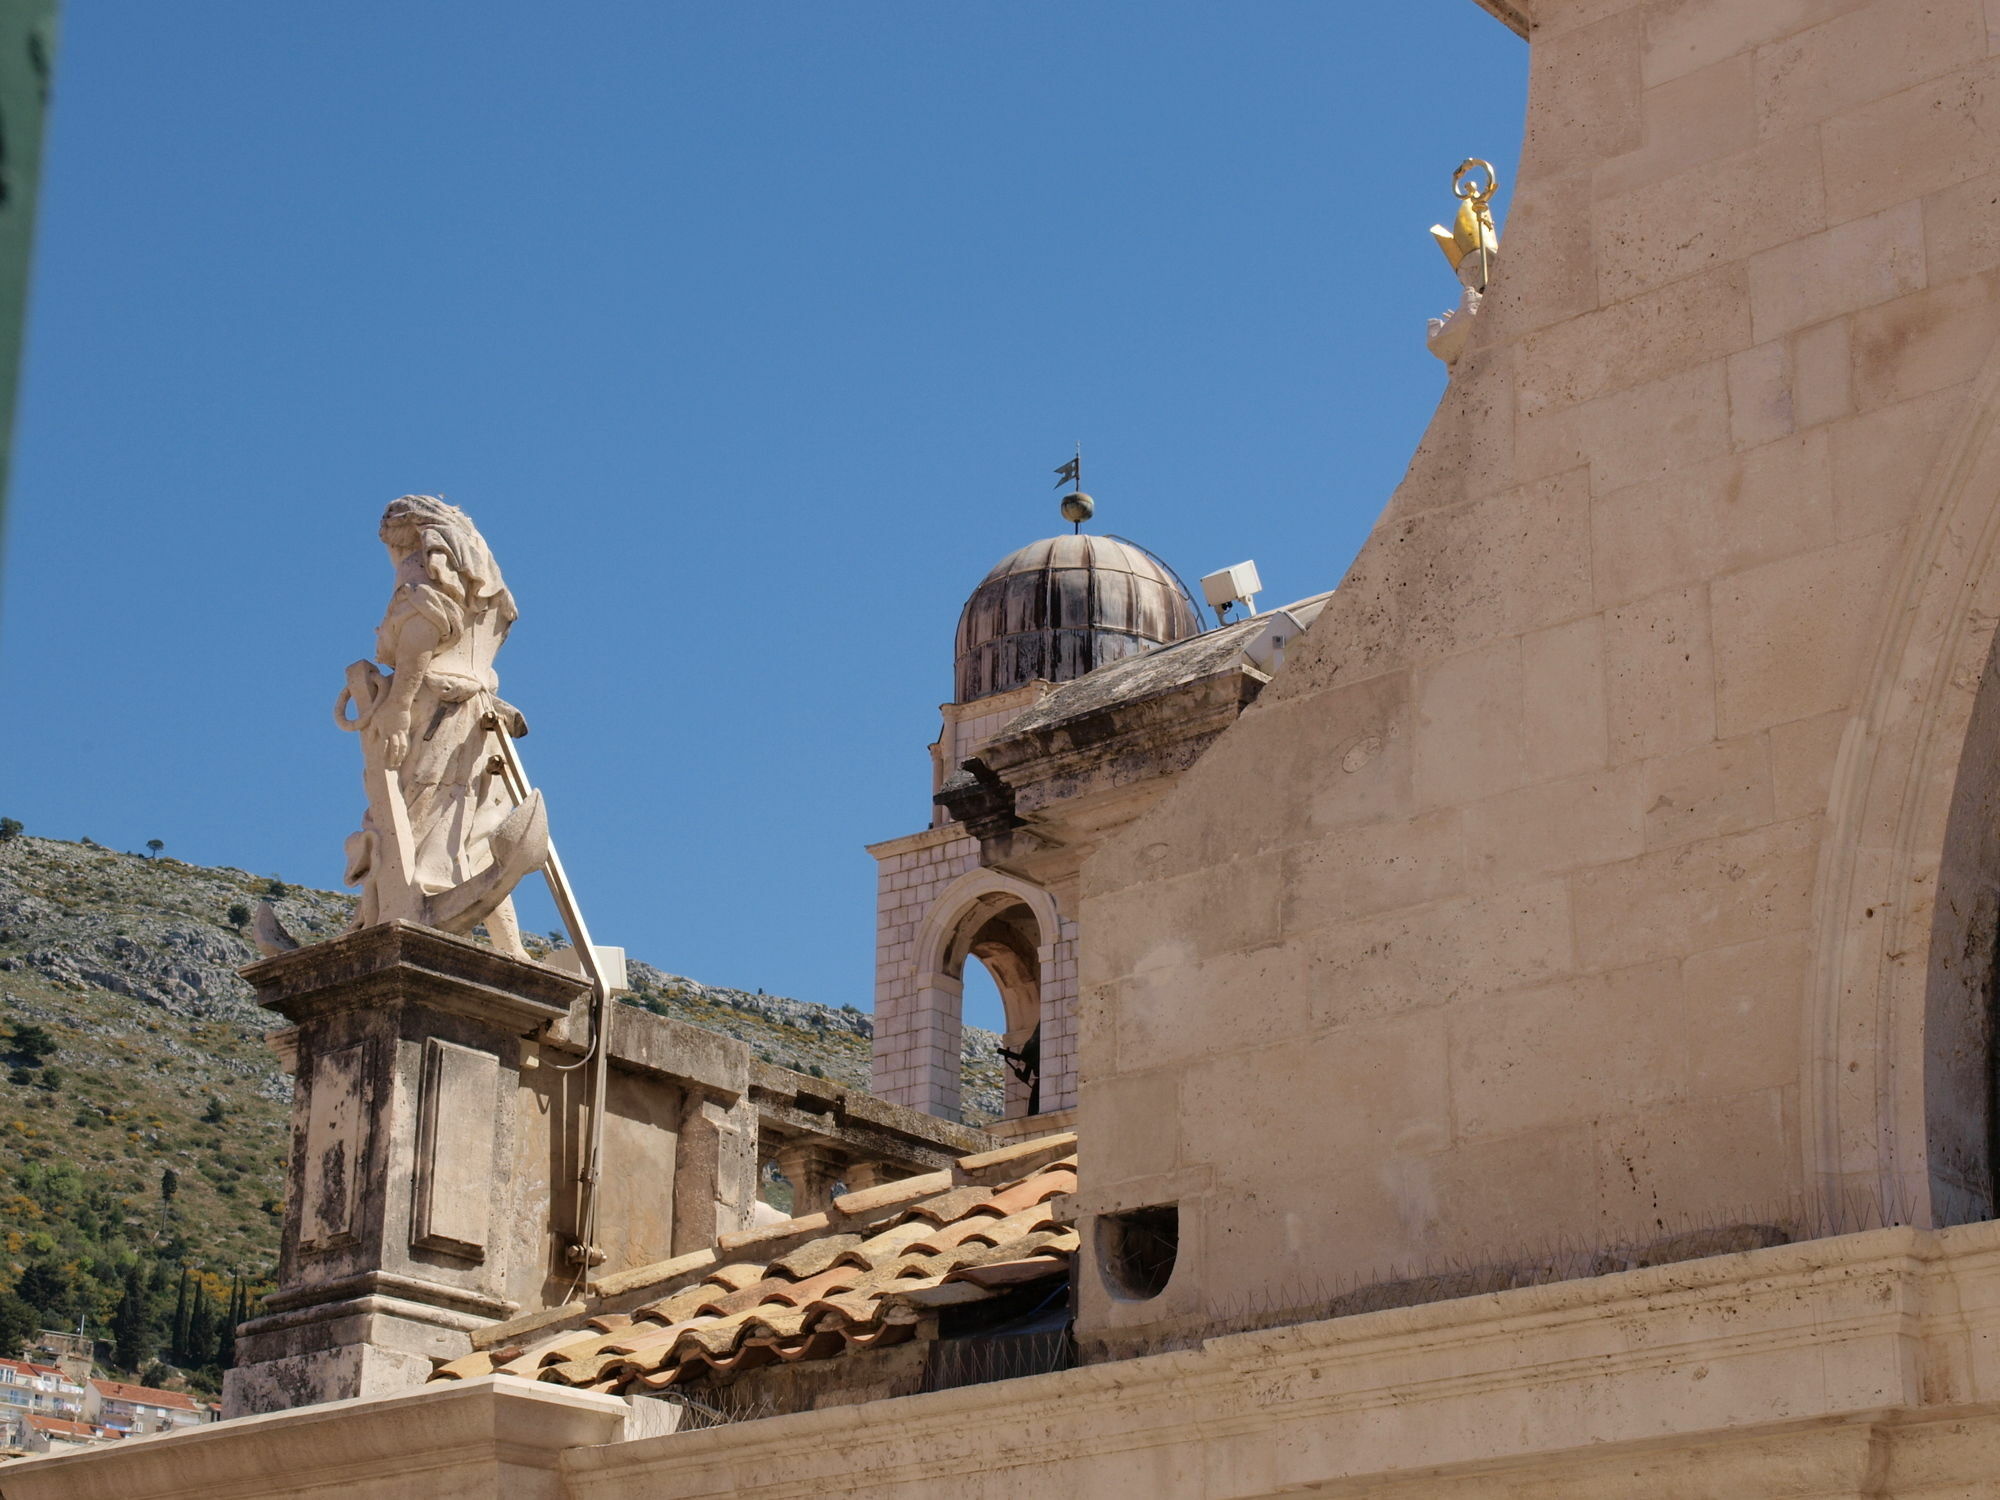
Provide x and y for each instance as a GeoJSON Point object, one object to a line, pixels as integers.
{"type": "Point", "coordinates": [1601, 858]}
{"type": "Point", "coordinates": [918, 1021]}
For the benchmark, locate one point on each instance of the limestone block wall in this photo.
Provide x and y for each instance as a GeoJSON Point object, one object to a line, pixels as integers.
{"type": "Point", "coordinates": [918, 1019]}
{"type": "Point", "coordinates": [923, 887]}
{"type": "Point", "coordinates": [1617, 849]}
{"type": "Point", "coordinates": [1059, 1020]}
{"type": "Point", "coordinates": [926, 884]}
{"type": "Point", "coordinates": [966, 728]}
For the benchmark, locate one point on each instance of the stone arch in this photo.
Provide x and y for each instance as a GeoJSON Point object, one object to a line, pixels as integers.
{"type": "Point", "coordinates": [1008, 925]}
{"type": "Point", "coordinates": [1896, 1094]}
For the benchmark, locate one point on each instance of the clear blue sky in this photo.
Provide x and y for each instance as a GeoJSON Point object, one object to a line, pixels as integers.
{"type": "Point", "coordinates": [748, 334]}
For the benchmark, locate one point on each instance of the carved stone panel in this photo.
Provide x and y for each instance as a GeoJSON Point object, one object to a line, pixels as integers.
{"type": "Point", "coordinates": [336, 1136]}
{"type": "Point", "coordinates": [455, 1136]}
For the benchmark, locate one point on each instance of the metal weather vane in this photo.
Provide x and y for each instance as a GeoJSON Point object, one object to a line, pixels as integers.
{"type": "Point", "coordinates": [1077, 507]}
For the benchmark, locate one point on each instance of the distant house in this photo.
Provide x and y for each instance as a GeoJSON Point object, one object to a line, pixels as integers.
{"type": "Point", "coordinates": [130, 1410]}
{"type": "Point", "coordinates": [38, 1434]}
{"type": "Point", "coordinates": [41, 1389]}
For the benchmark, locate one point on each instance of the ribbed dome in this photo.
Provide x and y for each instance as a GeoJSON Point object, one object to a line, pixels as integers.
{"type": "Point", "coordinates": [1062, 607]}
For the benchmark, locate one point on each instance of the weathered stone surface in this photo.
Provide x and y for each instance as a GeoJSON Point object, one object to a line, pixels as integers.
{"type": "Point", "coordinates": [1683, 667]}
{"type": "Point", "coordinates": [402, 1233]}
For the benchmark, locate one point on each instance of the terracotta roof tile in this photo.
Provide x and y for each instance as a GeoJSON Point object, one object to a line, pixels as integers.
{"type": "Point", "coordinates": [948, 1206]}
{"type": "Point", "coordinates": [888, 1244]}
{"type": "Point", "coordinates": [497, 1334]}
{"type": "Point", "coordinates": [861, 1285]}
{"type": "Point", "coordinates": [620, 1282]}
{"type": "Point", "coordinates": [1020, 1157]}
{"type": "Point", "coordinates": [800, 1228]}
{"type": "Point", "coordinates": [737, 1276]}
{"type": "Point", "coordinates": [1001, 1273]}
{"type": "Point", "coordinates": [889, 1194]}
{"type": "Point", "coordinates": [816, 1255]}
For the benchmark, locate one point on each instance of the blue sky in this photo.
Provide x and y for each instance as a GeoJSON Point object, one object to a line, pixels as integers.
{"type": "Point", "coordinates": [748, 334]}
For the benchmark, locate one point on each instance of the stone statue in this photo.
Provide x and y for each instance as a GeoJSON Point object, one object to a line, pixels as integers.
{"type": "Point", "coordinates": [444, 841]}
{"type": "Point", "coordinates": [1470, 245]}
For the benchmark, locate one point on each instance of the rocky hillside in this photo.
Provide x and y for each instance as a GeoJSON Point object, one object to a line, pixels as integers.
{"type": "Point", "coordinates": [144, 1118]}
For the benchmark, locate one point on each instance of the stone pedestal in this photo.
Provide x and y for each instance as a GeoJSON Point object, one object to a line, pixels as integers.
{"type": "Point", "coordinates": [403, 1185]}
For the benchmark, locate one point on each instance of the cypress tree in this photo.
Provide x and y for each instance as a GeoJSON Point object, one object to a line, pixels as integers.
{"type": "Point", "coordinates": [201, 1327]}
{"type": "Point", "coordinates": [225, 1344]}
{"type": "Point", "coordinates": [178, 1351]}
{"type": "Point", "coordinates": [129, 1330]}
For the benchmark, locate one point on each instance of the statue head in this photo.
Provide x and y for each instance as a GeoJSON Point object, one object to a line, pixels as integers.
{"type": "Point", "coordinates": [425, 524]}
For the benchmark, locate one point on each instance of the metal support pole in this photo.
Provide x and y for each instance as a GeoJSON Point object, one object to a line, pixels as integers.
{"type": "Point", "coordinates": [584, 1251]}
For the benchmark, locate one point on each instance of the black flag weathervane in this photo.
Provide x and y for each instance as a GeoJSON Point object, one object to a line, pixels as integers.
{"type": "Point", "coordinates": [1071, 473]}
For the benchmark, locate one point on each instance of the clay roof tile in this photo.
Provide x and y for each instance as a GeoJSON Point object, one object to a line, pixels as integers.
{"type": "Point", "coordinates": [816, 1255]}
{"type": "Point", "coordinates": [1019, 1155]}
{"type": "Point", "coordinates": [737, 1275]}
{"type": "Point", "coordinates": [826, 1293]}
{"type": "Point", "coordinates": [890, 1194]}
{"type": "Point", "coordinates": [947, 1206]}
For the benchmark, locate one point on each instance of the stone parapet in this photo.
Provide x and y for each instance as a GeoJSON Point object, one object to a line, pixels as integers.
{"type": "Point", "coordinates": [493, 1439]}
{"type": "Point", "coordinates": [1866, 1365]}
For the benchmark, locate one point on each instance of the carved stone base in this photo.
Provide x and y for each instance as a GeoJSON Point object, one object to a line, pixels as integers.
{"type": "Point", "coordinates": [400, 1222]}
{"type": "Point", "coordinates": [366, 1346]}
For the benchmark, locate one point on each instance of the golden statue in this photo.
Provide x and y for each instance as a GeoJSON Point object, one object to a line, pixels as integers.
{"type": "Point", "coordinates": [1470, 245]}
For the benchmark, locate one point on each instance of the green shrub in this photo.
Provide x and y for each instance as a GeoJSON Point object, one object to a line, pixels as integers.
{"type": "Point", "coordinates": [28, 1046]}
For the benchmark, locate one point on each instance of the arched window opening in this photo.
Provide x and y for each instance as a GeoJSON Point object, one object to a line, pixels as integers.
{"type": "Point", "coordinates": [1002, 935]}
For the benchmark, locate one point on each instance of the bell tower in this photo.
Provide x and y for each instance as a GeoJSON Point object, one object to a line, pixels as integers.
{"type": "Point", "coordinates": [1050, 613]}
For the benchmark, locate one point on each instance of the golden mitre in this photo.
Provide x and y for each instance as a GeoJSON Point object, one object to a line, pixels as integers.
{"type": "Point", "coordinates": [1471, 227]}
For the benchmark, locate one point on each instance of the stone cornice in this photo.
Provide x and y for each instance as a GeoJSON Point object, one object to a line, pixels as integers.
{"type": "Point", "coordinates": [914, 843]}
{"type": "Point", "coordinates": [405, 961]}
{"type": "Point", "coordinates": [1516, 15]}
{"type": "Point", "coordinates": [1736, 1343]}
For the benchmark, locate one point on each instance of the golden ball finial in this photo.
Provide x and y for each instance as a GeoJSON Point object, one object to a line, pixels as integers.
{"type": "Point", "coordinates": [1077, 507]}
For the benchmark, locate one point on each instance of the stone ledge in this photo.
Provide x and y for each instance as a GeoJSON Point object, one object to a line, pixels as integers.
{"type": "Point", "coordinates": [489, 1437]}
{"type": "Point", "coordinates": [1738, 1355]}
{"type": "Point", "coordinates": [428, 1301]}
{"type": "Point", "coordinates": [684, 1054]}
{"type": "Point", "coordinates": [1808, 1369]}
{"type": "Point", "coordinates": [404, 961]}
